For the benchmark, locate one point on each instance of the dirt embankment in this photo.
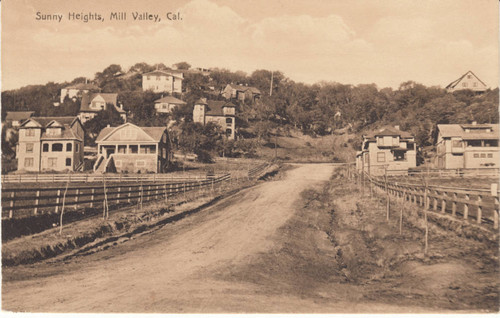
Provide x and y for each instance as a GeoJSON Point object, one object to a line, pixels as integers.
{"type": "Point", "coordinates": [295, 244]}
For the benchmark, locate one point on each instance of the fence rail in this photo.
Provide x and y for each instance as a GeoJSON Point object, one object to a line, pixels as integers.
{"type": "Point", "coordinates": [257, 170]}
{"type": "Point", "coordinates": [32, 201]}
{"type": "Point", "coordinates": [34, 178]}
{"type": "Point", "coordinates": [479, 205]}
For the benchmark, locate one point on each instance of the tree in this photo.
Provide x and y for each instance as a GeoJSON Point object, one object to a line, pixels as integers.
{"type": "Point", "coordinates": [93, 127]}
{"type": "Point", "coordinates": [182, 66]}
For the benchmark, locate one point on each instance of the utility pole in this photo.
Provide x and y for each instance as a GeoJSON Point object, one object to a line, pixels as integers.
{"type": "Point", "coordinates": [271, 86]}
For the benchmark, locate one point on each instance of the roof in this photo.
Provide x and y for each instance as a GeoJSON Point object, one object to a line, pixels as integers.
{"type": "Point", "coordinates": [109, 98]}
{"type": "Point", "coordinates": [154, 132]}
{"type": "Point", "coordinates": [17, 116]}
{"type": "Point", "coordinates": [389, 131]}
{"type": "Point", "coordinates": [170, 100]}
{"type": "Point", "coordinates": [244, 88]}
{"type": "Point", "coordinates": [164, 73]}
{"type": "Point", "coordinates": [66, 123]}
{"type": "Point", "coordinates": [214, 107]}
{"type": "Point", "coordinates": [457, 130]}
{"type": "Point", "coordinates": [83, 86]}
{"type": "Point", "coordinates": [455, 82]}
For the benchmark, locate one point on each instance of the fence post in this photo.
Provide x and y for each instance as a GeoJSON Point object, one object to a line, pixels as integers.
{"type": "Point", "coordinates": [118, 194]}
{"type": "Point", "coordinates": [128, 195]}
{"type": "Point", "coordinates": [494, 193]}
{"type": "Point", "coordinates": [443, 203]}
{"type": "Point", "coordinates": [92, 198]}
{"type": "Point", "coordinates": [76, 197]}
{"type": "Point", "coordinates": [454, 205]}
{"type": "Point", "coordinates": [466, 207]}
{"type": "Point", "coordinates": [37, 200]}
{"type": "Point", "coordinates": [387, 198]}
{"type": "Point", "coordinates": [12, 203]}
{"type": "Point", "coordinates": [57, 200]}
{"type": "Point", "coordinates": [479, 208]}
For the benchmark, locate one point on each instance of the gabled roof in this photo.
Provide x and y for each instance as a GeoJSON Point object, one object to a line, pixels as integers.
{"type": "Point", "coordinates": [457, 130]}
{"type": "Point", "coordinates": [83, 86]}
{"type": "Point", "coordinates": [19, 115]}
{"type": "Point", "coordinates": [164, 73]}
{"type": "Point", "coordinates": [154, 132]}
{"type": "Point", "coordinates": [109, 98]}
{"type": "Point", "coordinates": [170, 100]}
{"type": "Point", "coordinates": [215, 107]}
{"type": "Point", "coordinates": [244, 88]}
{"type": "Point", "coordinates": [63, 122]}
{"type": "Point", "coordinates": [389, 131]}
{"type": "Point", "coordinates": [455, 82]}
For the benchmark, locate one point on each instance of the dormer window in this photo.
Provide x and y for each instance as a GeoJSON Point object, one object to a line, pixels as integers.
{"type": "Point", "coordinates": [53, 131]}
{"type": "Point", "coordinates": [29, 133]}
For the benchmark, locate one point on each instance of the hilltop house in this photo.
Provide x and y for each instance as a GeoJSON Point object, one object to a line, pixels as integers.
{"type": "Point", "coordinates": [241, 92]}
{"type": "Point", "coordinates": [467, 146]}
{"type": "Point", "coordinates": [467, 81]}
{"type": "Point", "coordinates": [166, 104]}
{"type": "Point", "coordinates": [91, 104]}
{"type": "Point", "coordinates": [163, 81]}
{"type": "Point", "coordinates": [129, 148]}
{"type": "Point", "coordinates": [220, 112]}
{"type": "Point", "coordinates": [77, 90]}
{"type": "Point", "coordinates": [17, 118]}
{"type": "Point", "coordinates": [50, 143]}
{"type": "Point", "coordinates": [388, 149]}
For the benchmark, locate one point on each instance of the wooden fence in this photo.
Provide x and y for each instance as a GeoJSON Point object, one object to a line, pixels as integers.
{"type": "Point", "coordinates": [32, 201]}
{"type": "Point", "coordinates": [476, 205]}
{"type": "Point", "coordinates": [34, 178]}
{"type": "Point", "coordinates": [257, 170]}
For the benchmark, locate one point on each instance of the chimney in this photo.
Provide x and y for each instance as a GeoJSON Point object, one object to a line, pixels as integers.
{"type": "Point", "coordinates": [474, 122]}
{"type": "Point", "coordinates": [397, 127]}
{"type": "Point", "coordinates": [108, 126]}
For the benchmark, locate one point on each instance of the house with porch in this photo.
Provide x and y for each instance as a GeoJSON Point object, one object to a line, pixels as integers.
{"type": "Point", "coordinates": [160, 81]}
{"type": "Point", "coordinates": [241, 92]}
{"type": "Point", "coordinates": [166, 105]}
{"type": "Point", "coordinates": [92, 104]}
{"type": "Point", "coordinates": [467, 81]}
{"type": "Point", "coordinates": [77, 90]}
{"type": "Point", "coordinates": [388, 149]}
{"type": "Point", "coordinates": [467, 146]}
{"type": "Point", "coordinates": [129, 148]}
{"type": "Point", "coordinates": [50, 144]}
{"type": "Point", "coordinates": [220, 112]}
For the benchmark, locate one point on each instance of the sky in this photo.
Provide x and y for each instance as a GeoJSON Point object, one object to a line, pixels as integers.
{"type": "Point", "coordinates": [385, 42]}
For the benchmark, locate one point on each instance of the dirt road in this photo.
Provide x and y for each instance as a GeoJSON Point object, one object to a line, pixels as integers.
{"type": "Point", "coordinates": [176, 268]}
{"type": "Point", "coordinates": [294, 244]}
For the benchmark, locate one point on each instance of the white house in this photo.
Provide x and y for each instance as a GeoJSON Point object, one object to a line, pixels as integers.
{"type": "Point", "coordinates": [163, 81]}
{"type": "Point", "coordinates": [220, 112]}
{"type": "Point", "coordinates": [167, 104]}
{"type": "Point", "coordinates": [91, 104]}
{"type": "Point", "coordinates": [77, 90]}
{"type": "Point", "coordinates": [467, 81]}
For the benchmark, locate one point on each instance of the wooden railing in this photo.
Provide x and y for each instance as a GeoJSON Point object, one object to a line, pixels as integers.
{"type": "Point", "coordinates": [95, 177]}
{"type": "Point", "coordinates": [32, 201]}
{"type": "Point", "coordinates": [257, 170]}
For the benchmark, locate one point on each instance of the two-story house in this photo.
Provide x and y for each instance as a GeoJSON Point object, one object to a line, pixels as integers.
{"type": "Point", "coordinates": [467, 81]}
{"type": "Point", "coordinates": [241, 92]}
{"type": "Point", "coordinates": [467, 146]}
{"type": "Point", "coordinates": [129, 148]}
{"type": "Point", "coordinates": [91, 104]}
{"type": "Point", "coordinates": [50, 144]}
{"type": "Point", "coordinates": [77, 90]}
{"type": "Point", "coordinates": [163, 81]}
{"type": "Point", "coordinates": [166, 105]}
{"type": "Point", "coordinates": [388, 149]}
{"type": "Point", "coordinates": [220, 112]}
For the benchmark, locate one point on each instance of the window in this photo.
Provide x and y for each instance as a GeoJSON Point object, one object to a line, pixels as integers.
{"type": "Point", "coordinates": [133, 149]}
{"type": "Point", "coordinates": [69, 146]}
{"type": "Point", "coordinates": [464, 84]}
{"type": "Point", "coordinates": [456, 143]}
{"type": "Point", "coordinates": [45, 148]}
{"type": "Point", "coordinates": [474, 143]}
{"type": "Point", "coordinates": [53, 131]}
{"type": "Point", "coordinates": [140, 163]}
{"type": "Point", "coordinates": [52, 162]}
{"type": "Point", "coordinates": [68, 162]}
{"type": "Point", "coordinates": [118, 163]}
{"type": "Point", "coordinates": [380, 157]}
{"type": "Point", "coordinates": [229, 121]}
{"type": "Point", "coordinates": [228, 132]}
{"type": "Point", "coordinates": [475, 84]}
{"type": "Point", "coordinates": [29, 148]}
{"type": "Point", "coordinates": [57, 147]}
{"type": "Point", "coordinates": [483, 155]}
{"type": "Point", "coordinates": [399, 155]}
{"type": "Point", "coordinates": [29, 133]}
{"type": "Point", "coordinates": [28, 162]}
{"type": "Point", "coordinates": [476, 155]}
{"type": "Point", "coordinates": [490, 155]}
{"type": "Point", "coordinates": [122, 149]}
{"type": "Point", "coordinates": [469, 76]}
{"type": "Point", "coordinates": [77, 147]}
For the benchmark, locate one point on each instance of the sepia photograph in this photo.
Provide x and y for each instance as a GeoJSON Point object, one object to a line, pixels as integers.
{"type": "Point", "coordinates": [250, 157]}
